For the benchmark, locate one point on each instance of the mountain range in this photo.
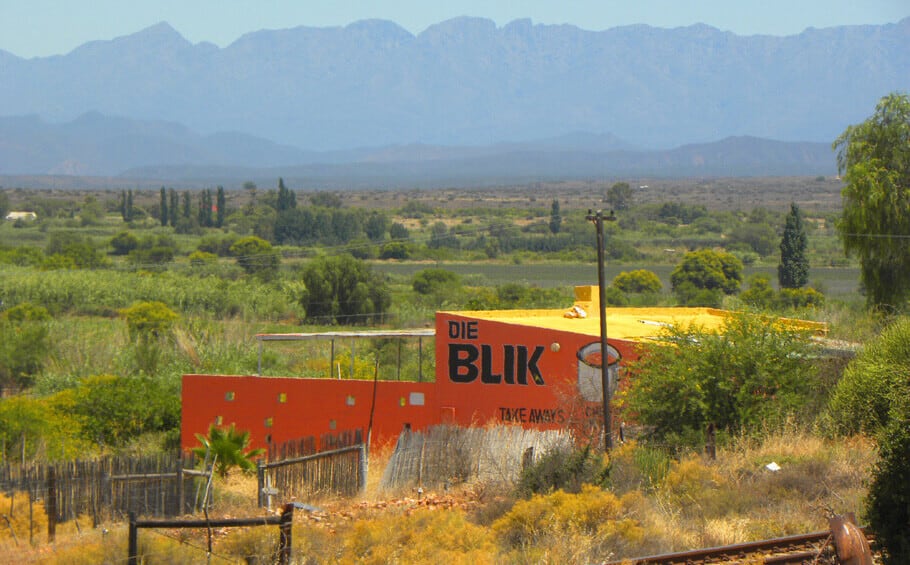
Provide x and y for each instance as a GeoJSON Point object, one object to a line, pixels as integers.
{"type": "Point", "coordinates": [460, 99]}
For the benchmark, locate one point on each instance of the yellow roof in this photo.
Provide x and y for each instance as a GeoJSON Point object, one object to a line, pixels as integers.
{"type": "Point", "coordinates": [632, 324]}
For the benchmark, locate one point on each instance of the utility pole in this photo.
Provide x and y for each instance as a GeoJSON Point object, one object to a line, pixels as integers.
{"type": "Point", "coordinates": [598, 218]}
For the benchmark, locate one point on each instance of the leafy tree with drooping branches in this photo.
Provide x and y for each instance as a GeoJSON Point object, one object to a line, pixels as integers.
{"type": "Point", "coordinates": [343, 290]}
{"type": "Point", "coordinates": [873, 158]}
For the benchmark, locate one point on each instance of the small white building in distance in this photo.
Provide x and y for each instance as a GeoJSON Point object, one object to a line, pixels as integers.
{"type": "Point", "coordinates": [13, 216]}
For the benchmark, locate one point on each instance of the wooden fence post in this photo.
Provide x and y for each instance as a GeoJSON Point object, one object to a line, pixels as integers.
{"type": "Point", "coordinates": [364, 466]}
{"type": "Point", "coordinates": [51, 505]}
{"type": "Point", "coordinates": [260, 483]}
{"type": "Point", "coordinates": [181, 494]}
{"type": "Point", "coordinates": [711, 442]}
{"type": "Point", "coordinates": [284, 534]}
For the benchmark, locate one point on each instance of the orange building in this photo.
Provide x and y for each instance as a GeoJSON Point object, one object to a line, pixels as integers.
{"type": "Point", "coordinates": [535, 368]}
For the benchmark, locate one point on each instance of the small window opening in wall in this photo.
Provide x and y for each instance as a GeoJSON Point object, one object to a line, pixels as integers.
{"type": "Point", "coordinates": [350, 400]}
{"type": "Point", "coordinates": [268, 422]}
{"type": "Point", "coordinates": [218, 420]}
{"type": "Point", "coordinates": [282, 397]}
{"type": "Point", "coordinates": [229, 396]}
{"type": "Point", "coordinates": [333, 424]}
{"type": "Point", "coordinates": [268, 438]}
{"type": "Point", "coordinates": [416, 399]}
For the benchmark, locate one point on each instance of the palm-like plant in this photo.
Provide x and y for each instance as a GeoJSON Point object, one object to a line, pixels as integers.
{"type": "Point", "coordinates": [229, 447]}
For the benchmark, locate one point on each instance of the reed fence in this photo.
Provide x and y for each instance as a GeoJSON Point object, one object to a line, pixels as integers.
{"type": "Point", "coordinates": [450, 454]}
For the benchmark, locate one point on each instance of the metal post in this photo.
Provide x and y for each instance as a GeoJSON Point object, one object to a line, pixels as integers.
{"type": "Point", "coordinates": [420, 359]}
{"type": "Point", "coordinates": [133, 542]}
{"type": "Point", "coordinates": [259, 363]}
{"type": "Point", "coordinates": [598, 219]}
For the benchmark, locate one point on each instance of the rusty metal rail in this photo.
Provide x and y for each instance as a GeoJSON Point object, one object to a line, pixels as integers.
{"type": "Point", "coordinates": [815, 548]}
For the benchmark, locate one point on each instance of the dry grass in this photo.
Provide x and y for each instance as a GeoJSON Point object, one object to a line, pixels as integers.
{"type": "Point", "coordinates": [690, 503]}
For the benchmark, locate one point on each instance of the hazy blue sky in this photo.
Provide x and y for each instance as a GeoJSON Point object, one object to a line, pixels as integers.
{"type": "Point", "coordinates": [35, 28]}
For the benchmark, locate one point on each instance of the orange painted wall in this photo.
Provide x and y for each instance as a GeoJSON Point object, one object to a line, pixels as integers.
{"type": "Point", "coordinates": [308, 407]}
{"type": "Point", "coordinates": [485, 372]}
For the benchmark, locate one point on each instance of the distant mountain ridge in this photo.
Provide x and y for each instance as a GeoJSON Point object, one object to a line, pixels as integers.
{"type": "Point", "coordinates": [98, 145]}
{"type": "Point", "coordinates": [467, 82]}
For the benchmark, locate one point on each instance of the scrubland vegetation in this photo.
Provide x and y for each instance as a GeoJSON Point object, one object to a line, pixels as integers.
{"type": "Point", "coordinates": [105, 301]}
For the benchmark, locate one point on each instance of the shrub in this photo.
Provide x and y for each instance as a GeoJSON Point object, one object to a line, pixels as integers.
{"type": "Point", "coordinates": [591, 522]}
{"type": "Point", "coordinates": [564, 469]}
{"type": "Point", "coordinates": [888, 505]}
{"type": "Point", "coordinates": [429, 281]}
{"type": "Point", "coordinates": [871, 392]}
{"type": "Point", "coordinates": [256, 256]}
{"type": "Point", "coordinates": [751, 371]}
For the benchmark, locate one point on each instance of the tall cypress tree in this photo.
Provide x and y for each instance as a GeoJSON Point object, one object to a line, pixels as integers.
{"type": "Point", "coordinates": [286, 198]}
{"type": "Point", "coordinates": [793, 270]}
{"type": "Point", "coordinates": [220, 203]}
{"type": "Point", "coordinates": [163, 206]}
{"type": "Point", "coordinates": [555, 217]}
{"type": "Point", "coordinates": [174, 207]}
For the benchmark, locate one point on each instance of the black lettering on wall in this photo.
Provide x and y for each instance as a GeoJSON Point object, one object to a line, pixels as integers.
{"type": "Point", "coordinates": [461, 362]}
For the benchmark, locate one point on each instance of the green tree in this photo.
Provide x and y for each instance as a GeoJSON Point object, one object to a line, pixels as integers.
{"type": "Point", "coordinates": [230, 447]}
{"type": "Point", "coordinates": [286, 198]}
{"type": "Point", "coordinates": [187, 204]}
{"type": "Point", "coordinates": [749, 372]}
{"type": "Point", "coordinates": [619, 196]}
{"type": "Point", "coordinates": [29, 426]}
{"type": "Point", "coordinates": [376, 226]}
{"type": "Point", "coordinates": [92, 212]}
{"type": "Point", "coordinates": [162, 208]}
{"type": "Point", "coordinates": [256, 256]}
{"type": "Point", "coordinates": [793, 270]}
{"type": "Point", "coordinates": [555, 217]}
{"type": "Point", "coordinates": [4, 204]}
{"type": "Point", "coordinates": [325, 200]}
{"type": "Point", "coordinates": [703, 275]}
{"type": "Point", "coordinates": [398, 232]}
{"type": "Point", "coordinates": [873, 158]}
{"type": "Point", "coordinates": [220, 204]}
{"type": "Point", "coordinates": [114, 410]}
{"type": "Point", "coordinates": [343, 290]}
{"type": "Point", "coordinates": [149, 323]}
{"type": "Point", "coordinates": [638, 281]}
{"type": "Point", "coordinates": [757, 236]}
{"type": "Point", "coordinates": [173, 207]}
{"type": "Point", "coordinates": [24, 345]}
{"type": "Point", "coordinates": [77, 251]}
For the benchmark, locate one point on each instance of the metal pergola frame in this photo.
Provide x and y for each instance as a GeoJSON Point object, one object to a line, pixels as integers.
{"type": "Point", "coordinates": [353, 336]}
